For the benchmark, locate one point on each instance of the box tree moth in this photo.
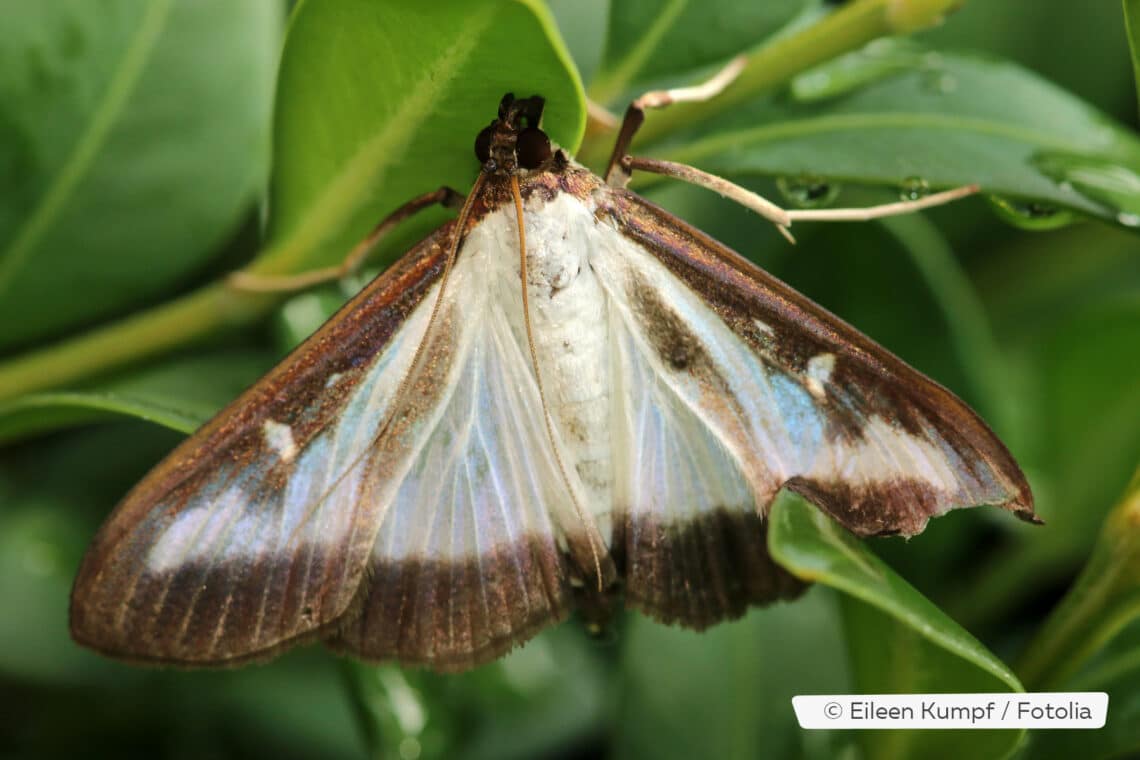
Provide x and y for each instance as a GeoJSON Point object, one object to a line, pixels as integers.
{"type": "Point", "coordinates": [562, 399]}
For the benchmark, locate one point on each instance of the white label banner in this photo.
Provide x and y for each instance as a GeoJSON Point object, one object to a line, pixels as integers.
{"type": "Point", "coordinates": [1077, 709]}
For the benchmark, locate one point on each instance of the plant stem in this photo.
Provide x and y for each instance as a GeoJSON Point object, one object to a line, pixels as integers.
{"type": "Point", "coordinates": [148, 333]}
{"type": "Point", "coordinates": [842, 31]}
{"type": "Point", "coordinates": [1105, 598]}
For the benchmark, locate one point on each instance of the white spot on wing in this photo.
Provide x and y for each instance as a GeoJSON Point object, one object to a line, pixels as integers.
{"type": "Point", "coordinates": [819, 369]}
{"type": "Point", "coordinates": [279, 438]}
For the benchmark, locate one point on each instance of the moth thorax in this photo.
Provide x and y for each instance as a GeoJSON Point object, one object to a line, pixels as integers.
{"type": "Point", "coordinates": [569, 318]}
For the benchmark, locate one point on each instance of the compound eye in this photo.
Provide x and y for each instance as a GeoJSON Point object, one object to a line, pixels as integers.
{"type": "Point", "coordinates": [532, 148]}
{"type": "Point", "coordinates": [483, 145]}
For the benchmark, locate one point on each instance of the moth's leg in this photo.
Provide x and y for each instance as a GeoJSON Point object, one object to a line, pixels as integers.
{"type": "Point", "coordinates": [730, 190]}
{"type": "Point", "coordinates": [616, 174]}
{"type": "Point", "coordinates": [781, 217]}
{"type": "Point", "coordinates": [622, 164]}
{"type": "Point", "coordinates": [261, 283]}
{"type": "Point", "coordinates": [878, 212]}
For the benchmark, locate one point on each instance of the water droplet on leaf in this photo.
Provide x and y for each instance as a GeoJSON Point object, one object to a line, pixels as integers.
{"type": "Point", "coordinates": [914, 188]}
{"type": "Point", "coordinates": [1106, 183]}
{"type": "Point", "coordinates": [807, 190]}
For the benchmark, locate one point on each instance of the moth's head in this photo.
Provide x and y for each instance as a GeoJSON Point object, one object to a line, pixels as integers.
{"type": "Point", "coordinates": [514, 141]}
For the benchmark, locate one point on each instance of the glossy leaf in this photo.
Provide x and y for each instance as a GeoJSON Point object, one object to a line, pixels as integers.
{"type": "Point", "coordinates": [895, 114]}
{"type": "Point", "coordinates": [381, 102]}
{"type": "Point", "coordinates": [651, 39]}
{"type": "Point", "coordinates": [179, 395]}
{"type": "Point", "coordinates": [1078, 46]}
{"type": "Point", "coordinates": [899, 642]}
{"type": "Point", "coordinates": [114, 184]}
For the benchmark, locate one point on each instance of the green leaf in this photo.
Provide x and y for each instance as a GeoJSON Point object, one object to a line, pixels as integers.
{"type": "Point", "coordinates": [179, 394]}
{"type": "Point", "coordinates": [652, 39]}
{"type": "Point", "coordinates": [126, 156]}
{"type": "Point", "coordinates": [381, 102]}
{"type": "Point", "coordinates": [1056, 28]}
{"type": "Point", "coordinates": [898, 640]}
{"type": "Point", "coordinates": [899, 115]}
{"type": "Point", "coordinates": [726, 692]}
{"type": "Point", "coordinates": [1132, 26]}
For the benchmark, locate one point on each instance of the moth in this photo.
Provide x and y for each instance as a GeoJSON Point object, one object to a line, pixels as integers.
{"type": "Point", "coordinates": [565, 399]}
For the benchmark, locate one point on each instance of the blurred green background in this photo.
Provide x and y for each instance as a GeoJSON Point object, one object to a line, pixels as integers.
{"type": "Point", "coordinates": [141, 160]}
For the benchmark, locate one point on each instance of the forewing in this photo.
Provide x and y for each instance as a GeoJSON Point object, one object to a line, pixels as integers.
{"type": "Point", "coordinates": [255, 531]}
{"type": "Point", "coordinates": [799, 397]}
{"type": "Point", "coordinates": [771, 391]}
{"type": "Point", "coordinates": [473, 553]}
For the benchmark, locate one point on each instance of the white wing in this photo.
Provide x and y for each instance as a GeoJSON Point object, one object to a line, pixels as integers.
{"type": "Point", "coordinates": [733, 386]}
{"type": "Point", "coordinates": [432, 529]}
{"type": "Point", "coordinates": [469, 560]}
